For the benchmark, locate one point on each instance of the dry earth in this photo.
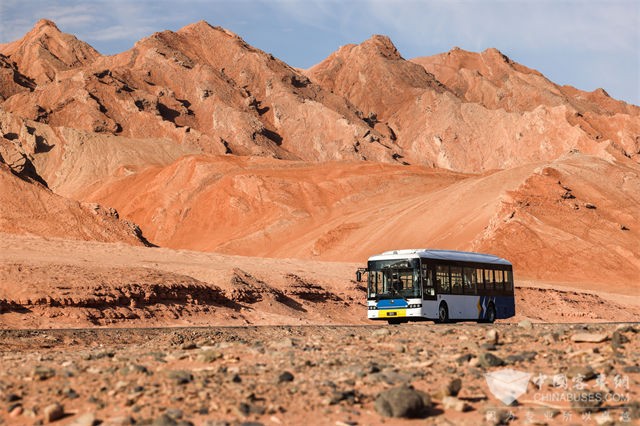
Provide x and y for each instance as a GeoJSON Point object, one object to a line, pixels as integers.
{"type": "Point", "coordinates": [324, 375]}
{"type": "Point", "coordinates": [54, 283]}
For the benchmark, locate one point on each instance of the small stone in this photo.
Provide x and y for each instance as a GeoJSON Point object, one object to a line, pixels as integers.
{"type": "Point", "coordinates": [589, 337]}
{"type": "Point", "coordinates": [526, 324]}
{"type": "Point", "coordinates": [43, 373]}
{"type": "Point", "coordinates": [16, 410]}
{"type": "Point", "coordinates": [188, 346]}
{"type": "Point", "coordinates": [472, 394]}
{"type": "Point", "coordinates": [453, 387]}
{"type": "Point", "coordinates": [381, 332]}
{"type": "Point", "coordinates": [487, 359]}
{"type": "Point", "coordinates": [70, 393]}
{"type": "Point", "coordinates": [53, 412]}
{"type": "Point", "coordinates": [174, 413]}
{"type": "Point", "coordinates": [12, 397]}
{"type": "Point", "coordinates": [618, 340]}
{"type": "Point", "coordinates": [180, 376]}
{"type": "Point", "coordinates": [339, 396]}
{"type": "Point", "coordinates": [88, 419]}
{"type": "Point", "coordinates": [492, 336]}
{"type": "Point", "coordinates": [463, 359]}
{"type": "Point", "coordinates": [588, 402]}
{"type": "Point", "coordinates": [626, 328]}
{"type": "Point", "coordinates": [139, 369]}
{"type": "Point", "coordinates": [453, 403]}
{"type": "Point", "coordinates": [402, 401]}
{"type": "Point", "coordinates": [285, 377]}
{"type": "Point", "coordinates": [499, 417]}
{"type": "Point", "coordinates": [584, 372]}
{"type": "Point", "coordinates": [287, 342]}
{"type": "Point", "coordinates": [244, 409]}
{"type": "Point", "coordinates": [521, 357]}
{"type": "Point", "coordinates": [208, 356]}
{"type": "Point", "coordinates": [164, 420]}
{"type": "Point", "coordinates": [590, 206]}
{"type": "Point", "coordinates": [119, 421]}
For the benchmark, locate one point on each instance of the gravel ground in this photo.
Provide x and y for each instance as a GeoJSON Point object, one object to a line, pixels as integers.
{"type": "Point", "coordinates": [326, 375]}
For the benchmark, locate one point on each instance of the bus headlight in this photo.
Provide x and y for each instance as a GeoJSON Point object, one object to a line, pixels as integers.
{"type": "Point", "coordinates": [373, 308]}
{"type": "Point", "coordinates": [417, 305]}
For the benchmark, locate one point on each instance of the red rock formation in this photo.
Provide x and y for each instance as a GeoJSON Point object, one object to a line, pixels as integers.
{"type": "Point", "coordinates": [45, 51]}
{"type": "Point", "coordinates": [145, 131]}
{"type": "Point", "coordinates": [11, 80]}
{"type": "Point", "coordinates": [493, 80]}
{"type": "Point", "coordinates": [228, 99]}
{"type": "Point", "coordinates": [464, 121]}
{"type": "Point", "coordinates": [28, 208]}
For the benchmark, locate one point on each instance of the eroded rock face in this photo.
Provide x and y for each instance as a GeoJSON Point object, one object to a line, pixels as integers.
{"type": "Point", "coordinates": [453, 116]}
{"type": "Point", "coordinates": [45, 51]}
{"type": "Point", "coordinates": [11, 80]}
{"type": "Point", "coordinates": [493, 80]}
{"type": "Point", "coordinates": [230, 99]}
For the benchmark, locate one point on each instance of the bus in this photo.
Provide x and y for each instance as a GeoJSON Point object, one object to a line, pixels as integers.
{"type": "Point", "coordinates": [439, 285]}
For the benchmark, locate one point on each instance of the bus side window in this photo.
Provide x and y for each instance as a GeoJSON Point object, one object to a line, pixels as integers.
{"type": "Point", "coordinates": [498, 281]}
{"type": "Point", "coordinates": [442, 279]}
{"type": "Point", "coordinates": [508, 286]}
{"type": "Point", "coordinates": [456, 280]}
{"type": "Point", "coordinates": [480, 279]}
{"type": "Point", "coordinates": [488, 280]}
{"type": "Point", "coordinates": [469, 280]}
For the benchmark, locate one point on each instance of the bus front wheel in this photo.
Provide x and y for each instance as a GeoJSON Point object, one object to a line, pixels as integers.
{"type": "Point", "coordinates": [443, 313]}
{"type": "Point", "coordinates": [491, 313]}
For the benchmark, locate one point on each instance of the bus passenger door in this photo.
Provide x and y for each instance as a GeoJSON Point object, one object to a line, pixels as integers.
{"type": "Point", "coordinates": [428, 283]}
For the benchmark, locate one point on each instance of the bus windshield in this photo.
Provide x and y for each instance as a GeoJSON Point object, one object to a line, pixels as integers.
{"type": "Point", "coordinates": [389, 279]}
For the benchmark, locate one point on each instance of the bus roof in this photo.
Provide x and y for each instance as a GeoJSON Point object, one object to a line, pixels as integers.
{"type": "Point", "coordinates": [460, 256]}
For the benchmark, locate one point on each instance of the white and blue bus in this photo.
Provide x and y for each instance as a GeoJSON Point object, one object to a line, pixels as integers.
{"type": "Point", "coordinates": [440, 285]}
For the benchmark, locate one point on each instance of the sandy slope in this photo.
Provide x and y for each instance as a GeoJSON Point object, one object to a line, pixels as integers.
{"type": "Point", "coordinates": [54, 283]}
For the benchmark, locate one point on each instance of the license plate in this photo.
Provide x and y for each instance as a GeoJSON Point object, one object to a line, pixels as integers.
{"type": "Point", "coordinates": [391, 314]}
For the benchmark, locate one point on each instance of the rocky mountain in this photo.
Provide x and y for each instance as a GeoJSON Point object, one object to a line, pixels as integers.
{"type": "Point", "coordinates": [474, 112]}
{"type": "Point", "coordinates": [208, 143]}
{"type": "Point", "coordinates": [45, 52]}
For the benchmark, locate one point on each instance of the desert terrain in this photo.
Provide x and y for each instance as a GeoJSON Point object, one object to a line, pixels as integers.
{"type": "Point", "coordinates": [324, 375]}
{"type": "Point", "coordinates": [196, 181]}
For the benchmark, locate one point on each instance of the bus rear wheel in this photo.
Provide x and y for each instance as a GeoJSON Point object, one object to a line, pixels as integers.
{"type": "Point", "coordinates": [491, 313]}
{"type": "Point", "coordinates": [443, 313]}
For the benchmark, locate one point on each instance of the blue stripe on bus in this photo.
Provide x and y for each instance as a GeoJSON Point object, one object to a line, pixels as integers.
{"type": "Point", "coordinates": [392, 303]}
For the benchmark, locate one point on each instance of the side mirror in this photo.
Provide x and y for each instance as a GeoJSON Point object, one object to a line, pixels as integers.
{"type": "Point", "coordinates": [358, 276]}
